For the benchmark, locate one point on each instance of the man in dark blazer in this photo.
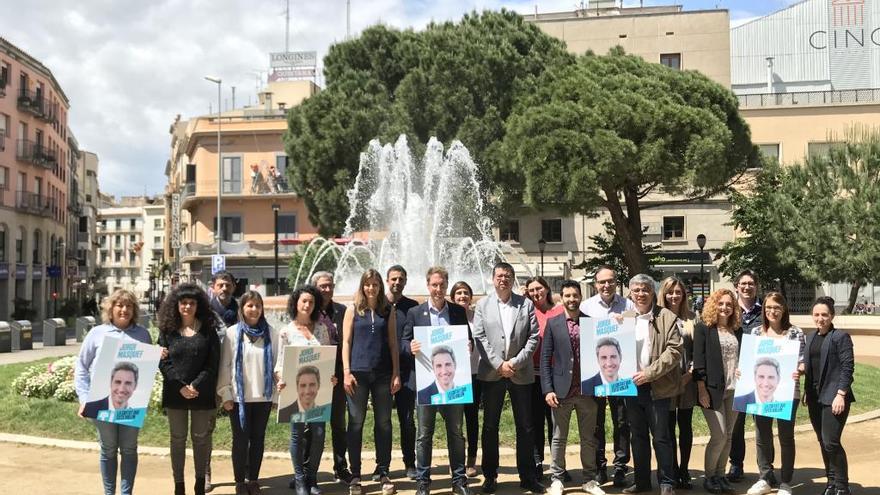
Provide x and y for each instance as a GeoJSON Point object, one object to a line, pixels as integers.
{"type": "Point", "coordinates": [436, 311]}
{"type": "Point", "coordinates": [405, 398]}
{"type": "Point", "coordinates": [560, 383]}
{"type": "Point", "coordinates": [506, 334]}
{"type": "Point", "coordinates": [332, 314]}
{"type": "Point", "coordinates": [829, 365]}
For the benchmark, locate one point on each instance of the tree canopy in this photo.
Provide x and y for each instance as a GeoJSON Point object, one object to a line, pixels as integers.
{"type": "Point", "coordinates": [451, 80]}
{"type": "Point", "coordinates": [608, 131]}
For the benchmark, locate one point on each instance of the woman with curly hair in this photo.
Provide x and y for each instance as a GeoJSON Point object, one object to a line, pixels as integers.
{"type": "Point", "coordinates": [187, 329]}
{"type": "Point", "coordinates": [717, 340]}
{"type": "Point", "coordinates": [674, 297]}
{"type": "Point", "coordinates": [119, 313]}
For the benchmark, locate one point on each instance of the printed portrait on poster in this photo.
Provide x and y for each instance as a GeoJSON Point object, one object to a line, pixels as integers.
{"type": "Point", "coordinates": [766, 386]}
{"type": "Point", "coordinates": [307, 373]}
{"type": "Point", "coordinates": [443, 366]}
{"type": "Point", "coordinates": [608, 357]}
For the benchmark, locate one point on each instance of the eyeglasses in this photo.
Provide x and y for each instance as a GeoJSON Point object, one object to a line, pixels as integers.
{"type": "Point", "coordinates": [641, 290]}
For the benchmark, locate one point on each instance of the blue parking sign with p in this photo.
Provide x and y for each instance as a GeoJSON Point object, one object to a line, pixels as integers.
{"type": "Point", "coordinates": [218, 263]}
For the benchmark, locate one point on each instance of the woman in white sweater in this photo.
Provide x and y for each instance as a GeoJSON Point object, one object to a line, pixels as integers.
{"type": "Point", "coordinates": [246, 385]}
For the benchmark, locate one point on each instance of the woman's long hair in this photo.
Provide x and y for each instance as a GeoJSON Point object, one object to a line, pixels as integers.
{"type": "Point", "coordinates": [360, 299]}
{"type": "Point", "coordinates": [684, 309]}
{"type": "Point", "coordinates": [170, 320]}
{"type": "Point", "coordinates": [710, 309]}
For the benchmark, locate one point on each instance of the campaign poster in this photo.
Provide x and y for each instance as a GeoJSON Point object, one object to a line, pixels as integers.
{"type": "Point", "coordinates": [307, 372]}
{"type": "Point", "coordinates": [765, 386]}
{"type": "Point", "coordinates": [124, 371]}
{"type": "Point", "coordinates": [608, 357]}
{"type": "Point", "coordinates": [443, 366]}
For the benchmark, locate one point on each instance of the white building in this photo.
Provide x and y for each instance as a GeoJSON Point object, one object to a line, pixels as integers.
{"type": "Point", "coordinates": [120, 254]}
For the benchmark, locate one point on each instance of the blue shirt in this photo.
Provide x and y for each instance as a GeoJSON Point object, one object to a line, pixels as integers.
{"type": "Point", "coordinates": [82, 375]}
{"type": "Point", "coordinates": [369, 343]}
{"type": "Point", "coordinates": [439, 318]}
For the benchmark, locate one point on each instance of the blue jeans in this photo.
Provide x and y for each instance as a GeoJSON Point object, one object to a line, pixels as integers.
{"type": "Point", "coordinates": [649, 424]}
{"type": "Point", "coordinates": [124, 439]}
{"type": "Point", "coordinates": [306, 448]}
{"type": "Point", "coordinates": [452, 415]}
{"type": "Point", "coordinates": [379, 386]}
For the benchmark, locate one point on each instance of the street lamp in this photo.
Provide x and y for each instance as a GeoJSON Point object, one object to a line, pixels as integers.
{"type": "Point", "coordinates": [275, 208]}
{"type": "Point", "coordinates": [542, 244]}
{"type": "Point", "coordinates": [701, 243]}
{"type": "Point", "coordinates": [219, 228]}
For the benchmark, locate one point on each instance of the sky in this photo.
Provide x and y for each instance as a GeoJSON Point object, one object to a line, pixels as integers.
{"type": "Point", "coordinates": [129, 68]}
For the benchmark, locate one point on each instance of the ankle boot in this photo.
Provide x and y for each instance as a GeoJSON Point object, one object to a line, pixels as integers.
{"type": "Point", "coordinates": [199, 486]}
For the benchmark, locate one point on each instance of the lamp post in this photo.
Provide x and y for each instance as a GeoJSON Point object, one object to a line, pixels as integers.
{"type": "Point", "coordinates": [542, 244]}
{"type": "Point", "coordinates": [701, 243]}
{"type": "Point", "coordinates": [219, 228]}
{"type": "Point", "coordinates": [275, 208]}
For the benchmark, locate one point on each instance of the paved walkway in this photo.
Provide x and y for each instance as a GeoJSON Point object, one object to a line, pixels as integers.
{"type": "Point", "coordinates": [39, 352]}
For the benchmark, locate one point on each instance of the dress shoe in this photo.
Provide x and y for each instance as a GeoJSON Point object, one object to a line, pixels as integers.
{"type": "Point", "coordinates": [602, 476]}
{"type": "Point", "coordinates": [490, 485]}
{"type": "Point", "coordinates": [735, 474]}
{"type": "Point", "coordinates": [635, 488]}
{"type": "Point", "coordinates": [566, 477]}
{"type": "Point", "coordinates": [532, 486]}
{"type": "Point", "coordinates": [619, 478]}
{"type": "Point", "coordinates": [684, 480]}
{"type": "Point", "coordinates": [726, 485]}
{"type": "Point", "coordinates": [710, 484]}
{"type": "Point", "coordinates": [343, 476]}
{"type": "Point", "coordinates": [461, 489]}
{"type": "Point", "coordinates": [423, 489]}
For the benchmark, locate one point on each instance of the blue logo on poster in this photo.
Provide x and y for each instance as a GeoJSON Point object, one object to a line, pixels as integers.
{"type": "Point", "coordinates": [624, 387]}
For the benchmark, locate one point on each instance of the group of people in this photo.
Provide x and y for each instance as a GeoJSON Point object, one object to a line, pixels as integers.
{"type": "Point", "coordinates": [219, 351]}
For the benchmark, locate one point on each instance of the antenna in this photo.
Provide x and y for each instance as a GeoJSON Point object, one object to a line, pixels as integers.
{"type": "Point", "coordinates": [347, 19]}
{"type": "Point", "coordinates": [287, 28]}
{"type": "Point", "coordinates": [233, 97]}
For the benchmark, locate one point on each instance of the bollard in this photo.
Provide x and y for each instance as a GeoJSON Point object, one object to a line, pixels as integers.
{"type": "Point", "coordinates": [22, 335]}
{"type": "Point", "coordinates": [83, 325]}
{"type": "Point", "coordinates": [54, 332]}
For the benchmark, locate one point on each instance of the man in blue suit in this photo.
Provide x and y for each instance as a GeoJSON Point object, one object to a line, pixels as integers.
{"type": "Point", "coordinates": [436, 311]}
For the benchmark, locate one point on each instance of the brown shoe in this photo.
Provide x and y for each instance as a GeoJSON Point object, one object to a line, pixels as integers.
{"type": "Point", "coordinates": [471, 471]}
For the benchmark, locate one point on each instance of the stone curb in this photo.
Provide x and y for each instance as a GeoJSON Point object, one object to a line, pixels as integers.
{"type": "Point", "coordinates": [368, 455]}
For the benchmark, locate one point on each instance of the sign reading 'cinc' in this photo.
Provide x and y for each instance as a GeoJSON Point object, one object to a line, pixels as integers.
{"type": "Point", "coordinates": [848, 28]}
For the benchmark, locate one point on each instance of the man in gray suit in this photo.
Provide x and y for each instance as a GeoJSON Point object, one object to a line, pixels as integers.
{"type": "Point", "coordinates": [506, 333]}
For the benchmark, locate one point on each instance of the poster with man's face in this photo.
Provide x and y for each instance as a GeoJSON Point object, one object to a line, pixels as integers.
{"type": "Point", "coordinates": [124, 371]}
{"type": "Point", "coordinates": [307, 372]}
{"type": "Point", "coordinates": [443, 366]}
{"type": "Point", "coordinates": [766, 384]}
{"type": "Point", "coordinates": [608, 357]}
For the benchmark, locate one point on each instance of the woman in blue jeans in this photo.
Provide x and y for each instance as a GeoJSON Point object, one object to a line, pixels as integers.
{"type": "Point", "coordinates": [306, 439]}
{"type": "Point", "coordinates": [370, 364]}
{"type": "Point", "coordinates": [120, 314]}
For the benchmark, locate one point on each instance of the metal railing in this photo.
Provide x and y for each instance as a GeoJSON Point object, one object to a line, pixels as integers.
{"type": "Point", "coordinates": [35, 153]}
{"type": "Point", "coordinates": [36, 104]}
{"type": "Point", "coordinates": [2, 140]}
{"type": "Point", "coordinates": [34, 203]}
{"type": "Point", "coordinates": [806, 98]}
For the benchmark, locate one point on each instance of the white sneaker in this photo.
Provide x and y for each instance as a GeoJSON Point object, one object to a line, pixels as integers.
{"type": "Point", "coordinates": [784, 489]}
{"type": "Point", "coordinates": [761, 487]}
{"type": "Point", "coordinates": [592, 487]}
{"type": "Point", "coordinates": [556, 488]}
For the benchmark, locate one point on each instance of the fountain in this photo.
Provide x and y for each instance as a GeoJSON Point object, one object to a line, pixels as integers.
{"type": "Point", "coordinates": [416, 213]}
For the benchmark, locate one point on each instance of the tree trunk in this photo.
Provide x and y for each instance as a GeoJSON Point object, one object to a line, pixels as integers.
{"type": "Point", "coordinates": [853, 295]}
{"type": "Point", "coordinates": [629, 230]}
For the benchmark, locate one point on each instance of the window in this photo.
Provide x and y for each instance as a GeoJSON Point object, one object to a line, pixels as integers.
{"type": "Point", "coordinates": [103, 241]}
{"type": "Point", "coordinates": [4, 178]}
{"type": "Point", "coordinates": [671, 60]}
{"type": "Point", "coordinates": [232, 174]}
{"type": "Point", "coordinates": [673, 228]}
{"type": "Point", "coordinates": [19, 246]}
{"type": "Point", "coordinates": [551, 230]}
{"type": "Point", "coordinates": [231, 228]}
{"type": "Point", "coordinates": [157, 223]}
{"type": "Point", "coordinates": [821, 149]}
{"type": "Point", "coordinates": [287, 226]}
{"type": "Point", "coordinates": [132, 224]}
{"type": "Point", "coordinates": [281, 162]}
{"type": "Point", "coordinates": [509, 231]}
{"type": "Point", "coordinates": [132, 239]}
{"type": "Point", "coordinates": [131, 256]}
{"type": "Point", "coordinates": [104, 255]}
{"type": "Point", "coordinates": [157, 241]}
{"type": "Point", "coordinates": [4, 125]}
{"type": "Point", "coordinates": [118, 224]}
{"type": "Point", "coordinates": [117, 256]}
{"type": "Point", "coordinates": [22, 181]}
{"type": "Point", "coordinates": [36, 251]}
{"type": "Point", "coordinates": [771, 151]}
{"type": "Point", "coordinates": [117, 241]}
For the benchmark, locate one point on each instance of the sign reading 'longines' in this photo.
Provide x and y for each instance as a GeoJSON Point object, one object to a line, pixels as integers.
{"type": "Point", "coordinates": [848, 30]}
{"type": "Point", "coordinates": [293, 59]}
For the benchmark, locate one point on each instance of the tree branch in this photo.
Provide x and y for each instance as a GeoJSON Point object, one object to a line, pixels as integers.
{"type": "Point", "coordinates": [742, 179]}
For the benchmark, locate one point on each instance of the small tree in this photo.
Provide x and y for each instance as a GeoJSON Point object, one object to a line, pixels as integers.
{"type": "Point", "coordinates": [607, 250]}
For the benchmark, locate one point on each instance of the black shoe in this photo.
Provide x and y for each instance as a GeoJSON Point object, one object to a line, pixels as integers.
{"type": "Point", "coordinates": [423, 489]}
{"type": "Point", "coordinates": [619, 478]}
{"type": "Point", "coordinates": [566, 477]}
{"type": "Point", "coordinates": [299, 487]}
{"type": "Point", "coordinates": [684, 481]}
{"type": "Point", "coordinates": [601, 476]}
{"type": "Point", "coordinates": [532, 486]}
{"type": "Point", "coordinates": [343, 476]}
{"type": "Point", "coordinates": [735, 474]}
{"type": "Point", "coordinates": [635, 488]}
{"type": "Point", "coordinates": [490, 485]}
{"type": "Point", "coordinates": [461, 489]}
{"type": "Point", "coordinates": [725, 485]}
{"type": "Point", "coordinates": [539, 472]}
{"type": "Point", "coordinates": [710, 484]}
{"type": "Point", "coordinates": [830, 489]}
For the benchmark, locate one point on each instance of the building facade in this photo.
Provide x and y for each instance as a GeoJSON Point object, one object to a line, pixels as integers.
{"type": "Point", "coordinates": [34, 175]}
{"type": "Point", "coordinates": [254, 185]}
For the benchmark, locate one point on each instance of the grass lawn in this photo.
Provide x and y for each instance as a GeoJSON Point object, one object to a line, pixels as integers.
{"type": "Point", "coordinates": [53, 418]}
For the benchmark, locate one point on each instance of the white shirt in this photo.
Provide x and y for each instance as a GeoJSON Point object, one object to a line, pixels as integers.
{"type": "Point", "coordinates": [644, 339]}
{"type": "Point", "coordinates": [595, 307]}
{"type": "Point", "coordinates": [508, 317]}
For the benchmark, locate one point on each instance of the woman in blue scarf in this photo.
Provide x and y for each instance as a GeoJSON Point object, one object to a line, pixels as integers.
{"type": "Point", "coordinates": [246, 385]}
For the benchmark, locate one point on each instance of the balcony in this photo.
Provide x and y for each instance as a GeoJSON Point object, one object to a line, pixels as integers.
{"type": "Point", "coordinates": [36, 104]}
{"type": "Point", "coordinates": [34, 203]}
{"type": "Point", "coordinates": [2, 86]}
{"type": "Point", "coordinates": [35, 153]}
{"type": "Point", "coordinates": [2, 140]}
{"type": "Point", "coordinates": [810, 98]}
{"type": "Point", "coordinates": [189, 189]}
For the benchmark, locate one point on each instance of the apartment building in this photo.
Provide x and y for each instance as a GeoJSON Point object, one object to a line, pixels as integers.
{"type": "Point", "coordinates": [254, 185]}
{"type": "Point", "coordinates": [82, 239]}
{"type": "Point", "coordinates": [34, 175]}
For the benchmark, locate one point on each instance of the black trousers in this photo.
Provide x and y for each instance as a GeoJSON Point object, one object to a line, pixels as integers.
{"type": "Point", "coordinates": [521, 404]}
{"type": "Point", "coordinates": [248, 443]}
{"type": "Point", "coordinates": [405, 403]}
{"type": "Point", "coordinates": [338, 427]}
{"type": "Point", "coordinates": [684, 419]}
{"type": "Point", "coordinates": [649, 423]}
{"type": "Point", "coordinates": [738, 441]}
{"type": "Point", "coordinates": [829, 429]}
{"type": "Point", "coordinates": [766, 449]}
{"type": "Point", "coordinates": [472, 419]}
{"type": "Point", "coordinates": [620, 433]}
{"type": "Point", "coordinates": [540, 410]}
